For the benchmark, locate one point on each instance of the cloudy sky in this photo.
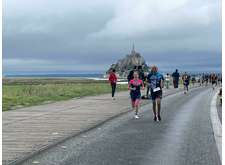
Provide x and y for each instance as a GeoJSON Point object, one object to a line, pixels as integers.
{"type": "Point", "coordinates": [85, 35]}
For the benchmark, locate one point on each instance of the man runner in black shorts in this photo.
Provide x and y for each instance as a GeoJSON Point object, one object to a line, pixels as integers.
{"type": "Point", "coordinates": [155, 81]}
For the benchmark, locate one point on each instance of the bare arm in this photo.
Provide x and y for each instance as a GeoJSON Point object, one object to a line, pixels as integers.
{"type": "Point", "coordinates": [162, 83]}
{"type": "Point", "coordinates": [143, 86]}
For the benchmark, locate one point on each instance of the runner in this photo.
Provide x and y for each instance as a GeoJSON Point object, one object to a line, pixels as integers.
{"type": "Point", "coordinates": [146, 85]}
{"type": "Point", "coordinates": [167, 79]}
{"type": "Point", "coordinates": [135, 86]}
{"type": "Point", "coordinates": [202, 79]}
{"type": "Point", "coordinates": [141, 73]}
{"type": "Point", "coordinates": [220, 96]}
{"type": "Point", "coordinates": [219, 79]}
{"type": "Point", "coordinates": [176, 76]}
{"type": "Point", "coordinates": [193, 81]}
{"type": "Point", "coordinates": [206, 79]}
{"type": "Point", "coordinates": [186, 80]}
{"type": "Point", "coordinates": [213, 79]}
{"type": "Point", "coordinates": [155, 81]}
{"type": "Point", "coordinates": [113, 81]}
{"type": "Point", "coordinates": [131, 74]}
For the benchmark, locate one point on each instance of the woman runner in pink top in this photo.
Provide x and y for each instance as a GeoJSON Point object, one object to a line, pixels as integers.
{"type": "Point", "coordinates": [135, 85]}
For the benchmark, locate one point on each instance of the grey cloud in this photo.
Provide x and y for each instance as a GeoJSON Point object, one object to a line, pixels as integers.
{"type": "Point", "coordinates": [89, 33]}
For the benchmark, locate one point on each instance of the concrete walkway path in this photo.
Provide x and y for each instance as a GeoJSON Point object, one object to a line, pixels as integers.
{"type": "Point", "coordinates": [30, 130]}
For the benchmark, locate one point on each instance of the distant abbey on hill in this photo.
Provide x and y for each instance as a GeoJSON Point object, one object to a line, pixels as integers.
{"type": "Point", "coordinates": [123, 66]}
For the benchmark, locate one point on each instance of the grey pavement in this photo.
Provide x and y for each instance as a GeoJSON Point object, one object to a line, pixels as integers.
{"type": "Point", "coordinates": [29, 130]}
{"type": "Point", "coordinates": [183, 137]}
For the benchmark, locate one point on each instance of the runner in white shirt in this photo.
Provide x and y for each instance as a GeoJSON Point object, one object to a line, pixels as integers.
{"type": "Point", "coordinates": [167, 80]}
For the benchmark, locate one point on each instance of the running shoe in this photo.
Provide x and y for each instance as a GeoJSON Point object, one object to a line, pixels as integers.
{"type": "Point", "coordinates": [155, 118]}
{"type": "Point", "coordinates": [159, 118]}
{"type": "Point", "coordinates": [136, 117]}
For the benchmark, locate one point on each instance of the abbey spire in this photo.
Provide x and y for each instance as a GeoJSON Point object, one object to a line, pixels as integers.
{"type": "Point", "coordinates": [133, 50]}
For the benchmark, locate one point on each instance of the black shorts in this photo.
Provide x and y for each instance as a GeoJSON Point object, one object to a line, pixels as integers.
{"type": "Point", "coordinates": [155, 95]}
{"type": "Point", "coordinates": [186, 83]}
{"type": "Point", "coordinates": [135, 96]}
{"type": "Point", "coordinates": [213, 82]}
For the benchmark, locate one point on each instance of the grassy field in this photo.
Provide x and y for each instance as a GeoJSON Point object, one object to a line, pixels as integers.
{"type": "Point", "coordinates": [27, 92]}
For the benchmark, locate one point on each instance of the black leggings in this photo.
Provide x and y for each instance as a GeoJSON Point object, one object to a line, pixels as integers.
{"type": "Point", "coordinates": [147, 92]}
{"type": "Point", "coordinates": [113, 85]}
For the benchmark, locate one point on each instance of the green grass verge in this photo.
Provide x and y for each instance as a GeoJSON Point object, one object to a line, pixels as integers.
{"type": "Point", "coordinates": [22, 95]}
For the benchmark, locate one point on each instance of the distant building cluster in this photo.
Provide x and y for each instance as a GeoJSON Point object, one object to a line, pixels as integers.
{"type": "Point", "coordinates": [128, 63]}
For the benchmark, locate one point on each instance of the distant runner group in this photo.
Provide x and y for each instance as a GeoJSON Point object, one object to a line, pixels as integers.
{"type": "Point", "coordinates": [154, 83]}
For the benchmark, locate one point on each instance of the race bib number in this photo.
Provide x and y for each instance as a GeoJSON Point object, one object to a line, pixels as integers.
{"type": "Point", "coordinates": [156, 89]}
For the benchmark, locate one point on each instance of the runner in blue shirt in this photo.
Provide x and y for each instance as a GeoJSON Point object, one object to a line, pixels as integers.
{"type": "Point", "coordinates": [155, 81]}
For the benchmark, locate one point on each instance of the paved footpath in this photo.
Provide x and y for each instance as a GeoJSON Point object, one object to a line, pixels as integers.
{"type": "Point", "coordinates": [183, 137]}
{"type": "Point", "coordinates": [30, 130]}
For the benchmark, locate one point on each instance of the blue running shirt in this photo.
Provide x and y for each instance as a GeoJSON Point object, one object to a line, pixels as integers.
{"type": "Point", "coordinates": [154, 79]}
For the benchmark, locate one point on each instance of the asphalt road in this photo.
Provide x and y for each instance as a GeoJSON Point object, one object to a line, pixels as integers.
{"type": "Point", "coordinates": [183, 137]}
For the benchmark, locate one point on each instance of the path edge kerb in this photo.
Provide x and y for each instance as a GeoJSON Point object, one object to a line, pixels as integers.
{"type": "Point", "coordinates": [216, 125]}
{"type": "Point", "coordinates": [61, 140]}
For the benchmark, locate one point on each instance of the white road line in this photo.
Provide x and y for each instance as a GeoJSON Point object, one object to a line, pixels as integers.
{"type": "Point", "coordinates": [217, 127]}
